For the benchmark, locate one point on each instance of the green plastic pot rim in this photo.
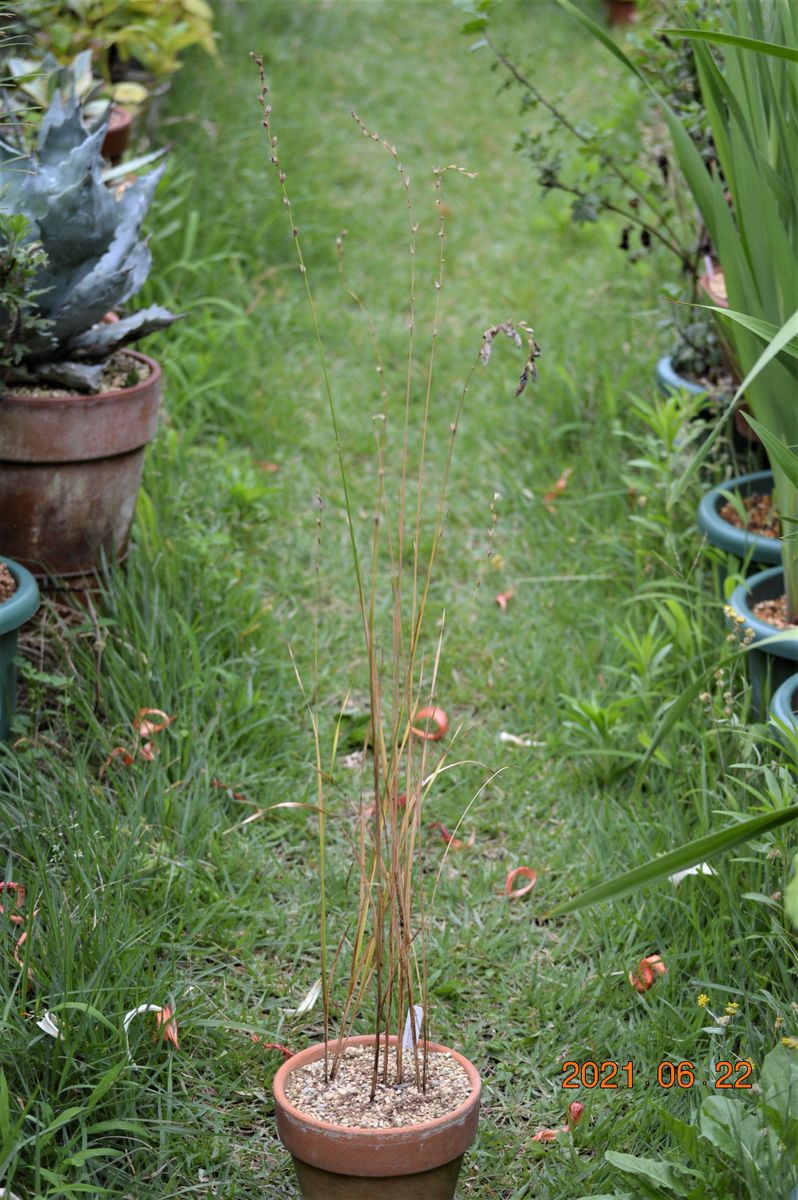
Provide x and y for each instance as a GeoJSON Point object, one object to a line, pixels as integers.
{"type": "Point", "coordinates": [20, 607]}
{"type": "Point", "coordinates": [670, 380]}
{"type": "Point", "coordinates": [765, 585]}
{"type": "Point", "coordinates": [727, 537]}
{"type": "Point", "coordinates": [782, 703]}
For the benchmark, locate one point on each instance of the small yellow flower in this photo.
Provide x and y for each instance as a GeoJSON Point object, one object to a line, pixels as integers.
{"type": "Point", "coordinates": [790, 1042]}
{"type": "Point", "coordinates": [703, 1000]}
{"type": "Point", "coordinates": [732, 1008]}
{"type": "Point", "coordinates": [777, 1024]}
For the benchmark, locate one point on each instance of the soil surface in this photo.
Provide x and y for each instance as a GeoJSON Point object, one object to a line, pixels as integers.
{"type": "Point", "coordinates": [716, 379]}
{"type": "Point", "coordinates": [762, 518]}
{"type": "Point", "coordinates": [773, 612]}
{"type": "Point", "coordinates": [8, 584]}
{"type": "Point", "coordinates": [120, 371]}
{"type": "Point", "coordinates": [345, 1099]}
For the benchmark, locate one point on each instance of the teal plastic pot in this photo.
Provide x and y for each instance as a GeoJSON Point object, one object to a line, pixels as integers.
{"type": "Point", "coordinates": [784, 706]}
{"type": "Point", "coordinates": [772, 665]}
{"type": "Point", "coordinates": [670, 381]}
{"type": "Point", "coordinates": [13, 614]}
{"type": "Point", "coordinates": [748, 547]}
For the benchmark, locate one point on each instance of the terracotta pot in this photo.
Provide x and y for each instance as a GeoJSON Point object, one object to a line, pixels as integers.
{"type": "Point", "coordinates": [414, 1162]}
{"type": "Point", "coordinates": [70, 470]}
{"type": "Point", "coordinates": [117, 135]}
{"type": "Point", "coordinates": [741, 425]}
{"type": "Point", "coordinates": [621, 12]}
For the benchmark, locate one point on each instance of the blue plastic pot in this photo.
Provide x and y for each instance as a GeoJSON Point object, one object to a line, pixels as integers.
{"type": "Point", "coordinates": [13, 614]}
{"type": "Point", "coordinates": [784, 706]}
{"type": "Point", "coordinates": [772, 665]}
{"type": "Point", "coordinates": [669, 381]}
{"type": "Point", "coordinates": [748, 547]}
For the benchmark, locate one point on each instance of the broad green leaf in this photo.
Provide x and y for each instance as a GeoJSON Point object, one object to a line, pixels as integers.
{"type": "Point", "coordinates": [779, 1083]}
{"type": "Point", "coordinates": [780, 455]}
{"type": "Point", "coordinates": [678, 860]}
{"type": "Point", "coordinates": [663, 1174]}
{"type": "Point", "coordinates": [763, 329]}
{"type": "Point", "coordinates": [733, 39]}
{"type": "Point", "coordinates": [719, 1123]}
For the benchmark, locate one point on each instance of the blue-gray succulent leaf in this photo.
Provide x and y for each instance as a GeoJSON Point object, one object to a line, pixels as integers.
{"type": "Point", "coordinates": [80, 376]}
{"type": "Point", "coordinates": [104, 339]}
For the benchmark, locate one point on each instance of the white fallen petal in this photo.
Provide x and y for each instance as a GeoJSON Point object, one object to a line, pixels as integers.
{"type": "Point", "coordinates": [308, 1001]}
{"type": "Point", "coordinates": [701, 869]}
{"type": "Point", "coordinates": [48, 1026]}
{"type": "Point", "coordinates": [353, 761]}
{"type": "Point", "coordinates": [9, 1195]}
{"type": "Point", "coordinates": [514, 739]}
{"type": "Point", "coordinates": [136, 1012]}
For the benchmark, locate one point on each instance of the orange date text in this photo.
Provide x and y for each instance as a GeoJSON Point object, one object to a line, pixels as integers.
{"type": "Point", "coordinates": [610, 1074]}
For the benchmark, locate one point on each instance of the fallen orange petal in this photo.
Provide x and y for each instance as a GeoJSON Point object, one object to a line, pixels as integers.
{"type": "Point", "coordinates": [146, 729]}
{"type": "Point", "coordinates": [19, 894]}
{"type": "Point", "coordinates": [217, 783]}
{"type": "Point", "coordinates": [558, 489]}
{"type": "Point", "coordinates": [455, 842]}
{"type": "Point", "coordinates": [117, 752]}
{"type": "Point", "coordinates": [438, 717]}
{"type": "Point", "coordinates": [546, 1135]}
{"type": "Point", "coordinates": [18, 890]}
{"type": "Point", "coordinates": [650, 966]}
{"type": "Point", "coordinates": [168, 1025]}
{"type": "Point", "coordinates": [273, 1046]}
{"type": "Point", "coordinates": [520, 872]}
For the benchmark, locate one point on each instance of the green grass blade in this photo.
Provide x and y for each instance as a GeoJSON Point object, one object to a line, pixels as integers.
{"type": "Point", "coordinates": [778, 454]}
{"type": "Point", "coordinates": [733, 39]}
{"type": "Point", "coordinates": [678, 860]}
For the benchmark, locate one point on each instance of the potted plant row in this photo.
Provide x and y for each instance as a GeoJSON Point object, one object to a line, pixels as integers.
{"type": "Point", "coordinates": [748, 202]}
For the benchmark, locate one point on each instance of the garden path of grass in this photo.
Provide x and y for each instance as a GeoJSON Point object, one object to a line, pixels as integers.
{"type": "Point", "coordinates": [142, 890]}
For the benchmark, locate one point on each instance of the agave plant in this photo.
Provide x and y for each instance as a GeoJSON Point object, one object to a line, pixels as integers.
{"type": "Point", "coordinates": [95, 256]}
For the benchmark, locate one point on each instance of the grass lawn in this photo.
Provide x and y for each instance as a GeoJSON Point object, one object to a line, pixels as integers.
{"type": "Point", "coordinates": [146, 884]}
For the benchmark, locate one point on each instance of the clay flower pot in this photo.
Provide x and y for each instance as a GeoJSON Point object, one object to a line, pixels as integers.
{"type": "Point", "coordinates": [117, 135]}
{"type": "Point", "coordinates": [621, 12]}
{"type": "Point", "coordinates": [70, 470]}
{"type": "Point", "coordinates": [411, 1162]}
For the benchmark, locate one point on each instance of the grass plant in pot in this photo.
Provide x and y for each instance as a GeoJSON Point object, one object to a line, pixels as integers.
{"type": "Point", "coordinates": [78, 407]}
{"type": "Point", "coordinates": [388, 1112]}
{"type": "Point", "coordinates": [19, 600]}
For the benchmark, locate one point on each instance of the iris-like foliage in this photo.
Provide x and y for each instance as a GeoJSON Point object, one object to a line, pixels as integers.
{"type": "Point", "coordinates": [96, 258]}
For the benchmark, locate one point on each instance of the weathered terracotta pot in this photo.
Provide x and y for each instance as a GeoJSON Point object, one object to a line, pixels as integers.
{"type": "Point", "coordinates": [70, 470]}
{"type": "Point", "coordinates": [413, 1162]}
{"type": "Point", "coordinates": [117, 135]}
{"type": "Point", "coordinates": [621, 12]}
